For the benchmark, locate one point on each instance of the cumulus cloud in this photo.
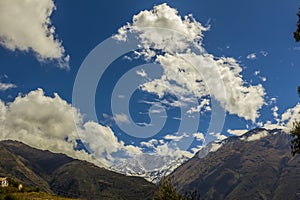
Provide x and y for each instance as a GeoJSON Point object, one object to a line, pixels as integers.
{"type": "Point", "coordinates": [42, 122]}
{"type": "Point", "coordinates": [26, 26]}
{"type": "Point", "coordinates": [290, 116]}
{"type": "Point", "coordinates": [284, 120]}
{"type": "Point", "coordinates": [51, 123]}
{"type": "Point", "coordinates": [153, 28]}
{"type": "Point", "coordinates": [175, 42]}
{"type": "Point", "coordinates": [102, 141]}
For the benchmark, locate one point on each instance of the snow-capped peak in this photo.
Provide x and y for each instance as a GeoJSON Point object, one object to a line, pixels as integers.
{"type": "Point", "coordinates": [149, 166]}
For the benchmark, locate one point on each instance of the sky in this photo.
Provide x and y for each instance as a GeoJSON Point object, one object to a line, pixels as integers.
{"type": "Point", "coordinates": [116, 79]}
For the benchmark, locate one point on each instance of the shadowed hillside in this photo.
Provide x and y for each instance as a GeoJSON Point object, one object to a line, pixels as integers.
{"type": "Point", "coordinates": [59, 174]}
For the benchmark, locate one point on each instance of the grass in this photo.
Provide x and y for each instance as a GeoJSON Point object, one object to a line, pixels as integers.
{"type": "Point", "coordinates": [13, 193]}
{"type": "Point", "coordinates": [38, 196]}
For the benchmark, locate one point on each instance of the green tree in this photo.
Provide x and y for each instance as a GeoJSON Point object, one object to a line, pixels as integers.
{"type": "Point", "coordinates": [192, 195]}
{"type": "Point", "coordinates": [295, 143]}
{"type": "Point", "coordinates": [297, 32]}
{"type": "Point", "coordinates": [167, 191]}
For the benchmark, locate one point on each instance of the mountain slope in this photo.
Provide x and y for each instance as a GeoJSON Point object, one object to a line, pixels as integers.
{"type": "Point", "coordinates": [59, 174]}
{"type": "Point", "coordinates": [246, 167]}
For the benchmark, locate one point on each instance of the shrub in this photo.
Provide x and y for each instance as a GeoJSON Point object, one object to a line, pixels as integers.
{"type": "Point", "coordinates": [167, 191]}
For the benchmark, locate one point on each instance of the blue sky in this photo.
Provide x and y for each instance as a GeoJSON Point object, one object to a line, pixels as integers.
{"type": "Point", "coordinates": [258, 35]}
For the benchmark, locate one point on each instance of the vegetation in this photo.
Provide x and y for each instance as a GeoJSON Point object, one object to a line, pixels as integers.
{"type": "Point", "coordinates": [295, 144]}
{"type": "Point", "coordinates": [297, 32]}
{"type": "Point", "coordinates": [295, 132]}
{"type": "Point", "coordinates": [13, 192]}
{"type": "Point", "coordinates": [38, 196]}
{"type": "Point", "coordinates": [167, 191]}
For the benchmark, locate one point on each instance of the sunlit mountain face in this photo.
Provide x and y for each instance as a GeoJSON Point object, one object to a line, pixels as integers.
{"type": "Point", "coordinates": [258, 164]}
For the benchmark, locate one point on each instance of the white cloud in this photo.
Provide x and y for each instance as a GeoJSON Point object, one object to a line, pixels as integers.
{"type": "Point", "coordinates": [264, 79]}
{"type": "Point", "coordinates": [218, 136]}
{"type": "Point", "coordinates": [153, 28]}
{"type": "Point", "coordinates": [256, 73]}
{"type": "Point", "coordinates": [275, 113]}
{"type": "Point", "coordinates": [237, 132]}
{"type": "Point", "coordinates": [51, 123]}
{"type": "Point", "coordinates": [187, 69]}
{"type": "Point", "coordinates": [42, 122]}
{"type": "Point", "coordinates": [150, 144]}
{"type": "Point", "coordinates": [272, 100]}
{"type": "Point", "coordinates": [103, 143]}
{"type": "Point", "coordinates": [251, 56]}
{"type": "Point", "coordinates": [175, 137]}
{"type": "Point", "coordinates": [156, 111]}
{"type": "Point", "coordinates": [199, 136]}
{"type": "Point", "coordinates": [165, 150]}
{"type": "Point", "coordinates": [245, 101]}
{"type": "Point", "coordinates": [26, 26]}
{"type": "Point", "coordinates": [285, 120]}
{"type": "Point", "coordinates": [203, 104]}
{"type": "Point", "coordinates": [269, 125]}
{"type": "Point", "coordinates": [141, 73]}
{"type": "Point", "coordinates": [290, 116]}
{"type": "Point", "coordinates": [121, 118]}
{"type": "Point", "coordinates": [6, 86]}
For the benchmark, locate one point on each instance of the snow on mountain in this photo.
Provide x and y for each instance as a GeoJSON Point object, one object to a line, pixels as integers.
{"type": "Point", "coordinates": [249, 136]}
{"type": "Point", "coordinates": [153, 167]}
{"type": "Point", "coordinates": [149, 166]}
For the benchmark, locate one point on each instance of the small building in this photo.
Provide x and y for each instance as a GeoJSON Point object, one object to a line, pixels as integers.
{"type": "Point", "coordinates": [3, 182]}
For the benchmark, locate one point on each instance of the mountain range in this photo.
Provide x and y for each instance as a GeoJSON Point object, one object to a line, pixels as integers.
{"type": "Point", "coordinates": [149, 166]}
{"type": "Point", "coordinates": [256, 165]}
{"type": "Point", "coordinates": [64, 176]}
